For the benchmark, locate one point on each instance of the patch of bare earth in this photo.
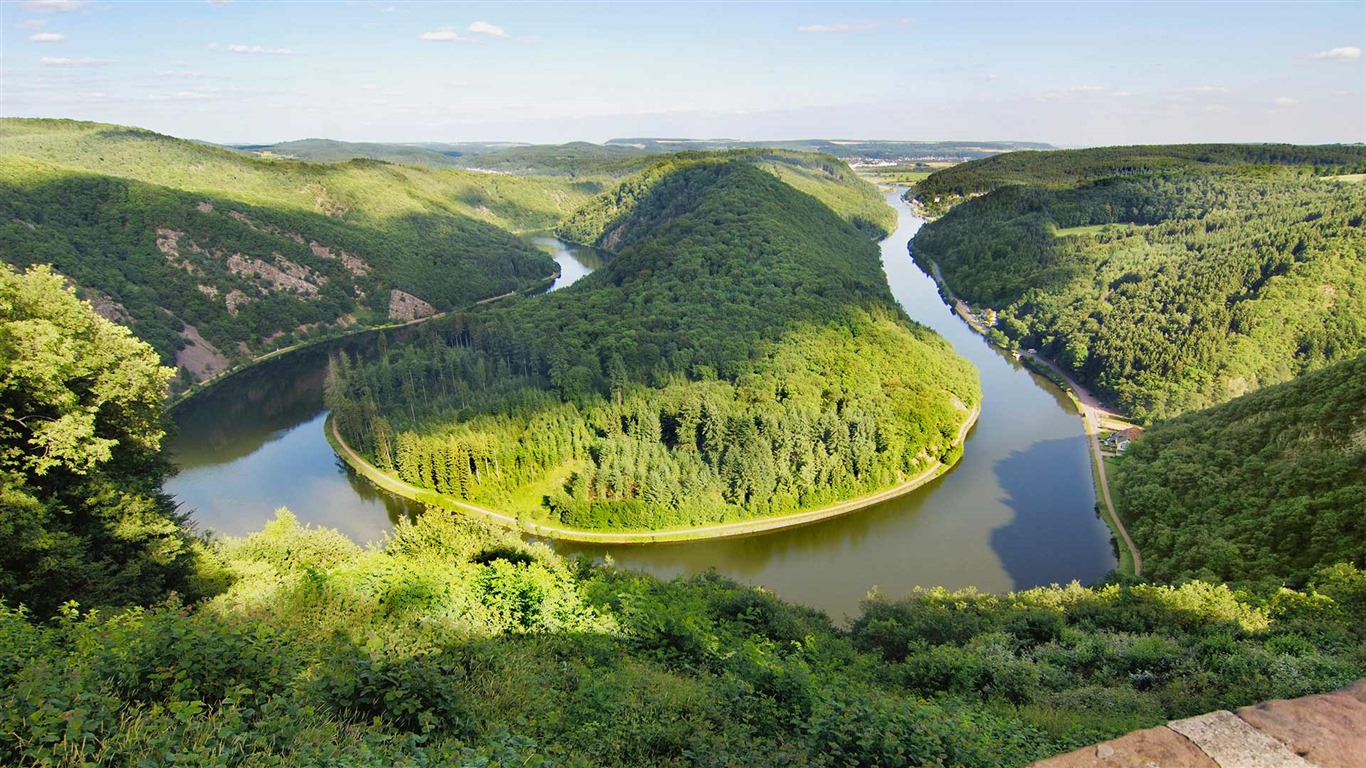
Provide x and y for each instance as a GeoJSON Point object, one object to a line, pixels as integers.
{"type": "Point", "coordinates": [198, 356]}
{"type": "Point", "coordinates": [406, 307]}
{"type": "Point", "coordinates": [168, 242]}
{"type": "Point", "coordinates": [354, 264]}
{"type": "Point", "coordinates": [283, 275]}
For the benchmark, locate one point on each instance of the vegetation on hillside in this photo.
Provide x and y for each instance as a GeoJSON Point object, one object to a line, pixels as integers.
{"type": "Point", "coordinates": [740, 356]}
{"type": "Point", "coordinates": [1075, 167]}
{"type": "Point", "coordinates": [82, 514]}
{"type": "Point", "coordinates": [1171, 291]}
{"type": "Point", "coordinates": [1267, 488]}
{"type": "Point", "coordinates": [453, 645]}
{"type": "Point", "coordinates": [329, 151]}
{"type": "Point", "coordinates": [214, 257]}
{"type": "Point", "coordinates": [609, 220]}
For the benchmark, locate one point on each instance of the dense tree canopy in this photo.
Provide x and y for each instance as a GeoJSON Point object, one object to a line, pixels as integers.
{"type": "Point", "coordinates": [80, 464]}
{"type": "Point", "coordinates": [740, 356]}
{"type": "Point", "coordinates": [1167, 292]}
{"type": "Point", "coordinates": [164, 234]}
{"type": "Point", "coordinates": [1268, 487]}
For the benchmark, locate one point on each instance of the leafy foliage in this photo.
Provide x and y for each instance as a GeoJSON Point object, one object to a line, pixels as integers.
{"type": "Point", "coordinates": [413, 654]}
{"type": "Point", "coordinates": [1168, 292]}
{"type": "Point", "coordinates": [80, 467]}
{"type": "Point", "coordinates": [688, 382]}
{"type": "Point", "coordinates": [1270, 487]}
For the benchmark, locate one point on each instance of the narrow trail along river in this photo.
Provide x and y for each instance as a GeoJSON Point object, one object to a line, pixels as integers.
{"type": "Point", "coordinates": [1017, 511]}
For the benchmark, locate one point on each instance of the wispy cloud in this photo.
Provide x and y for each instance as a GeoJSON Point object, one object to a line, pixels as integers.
{"type": "Point", "coordinates": [33, 23]}
{"type": "Point", "coordinates": [1345, 53]}
{"type": "Point", "coordinates": [52, 6]}
{"type": "Point", "coordinates": [839, 27]}
{"type": "Point", "coordinates": [46, 37]}
{"type": "Point", "coordinates": [479, 30]}
{"type": "Point", "coordinates": [1285, 101]}
{"type": "Point", "coordinates": [62, 61]}
{"type": "Point", "coordinates": [253, 49]}
{"type": "Point", "coordinates": [488, 30]}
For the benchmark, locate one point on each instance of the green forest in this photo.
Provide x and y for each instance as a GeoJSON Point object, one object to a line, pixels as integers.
{"type": "Point", "coordinates": [1165, 280]}
{"type": "Point", "coordinates": [127, 639]}
{"type": "Point", "coordinates": [192, 245]}
{"type": "Point", "coordinates": [740, 356]}
{"type": "Point", "coordinates": [1267, 488]}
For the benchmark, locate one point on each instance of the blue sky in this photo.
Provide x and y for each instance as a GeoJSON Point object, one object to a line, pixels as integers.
{"type": "Point", "coordinates": [1067, 73]}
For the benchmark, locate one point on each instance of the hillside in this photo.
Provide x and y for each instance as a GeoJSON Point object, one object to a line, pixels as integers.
{"type": "Point", "coordinates": [215, 258]}
{"type": "Point", "coordinates": [1269, 487]}
{"type": "Point", "coordinates": [459, 646]}
{"type": "Point", "coordinates": [741, 356]}
{"type": "Point", "coordinates": [1164, 290]}
{"type": "Point", "coordinates": [600, 221]}
{"type": "Point", "coordinates": [578, 159]}
{"type": "Point", "coordinates": [330, 151]}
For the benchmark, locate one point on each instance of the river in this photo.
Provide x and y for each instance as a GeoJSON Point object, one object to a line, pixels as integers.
{"type": "Point", "coordinates": [1018, 510]}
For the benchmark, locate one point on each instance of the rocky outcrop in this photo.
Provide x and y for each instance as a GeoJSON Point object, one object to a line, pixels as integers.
{"type": "Point", "coordinates": [406, 307]}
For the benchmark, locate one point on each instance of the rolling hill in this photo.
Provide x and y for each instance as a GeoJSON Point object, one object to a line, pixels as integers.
{"type": "Point", "coordinates": [215, 257]}
{"type": "Point", "coordinates": [1167, 278]}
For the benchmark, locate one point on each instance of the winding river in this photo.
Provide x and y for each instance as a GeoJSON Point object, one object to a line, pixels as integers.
{"type": "Point", "coordinates": [1017, 511]}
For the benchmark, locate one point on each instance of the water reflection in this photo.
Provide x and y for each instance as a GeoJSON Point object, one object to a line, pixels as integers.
{"type": "Point", "coordinates": [1017, 511]}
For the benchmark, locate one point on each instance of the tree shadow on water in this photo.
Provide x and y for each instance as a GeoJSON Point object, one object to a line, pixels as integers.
{"type": "Point", "coordinates": [1055, 534]}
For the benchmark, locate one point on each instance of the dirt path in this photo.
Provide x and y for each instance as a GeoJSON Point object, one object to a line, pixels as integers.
{"type": "Point", "coordinates": [722, 530]}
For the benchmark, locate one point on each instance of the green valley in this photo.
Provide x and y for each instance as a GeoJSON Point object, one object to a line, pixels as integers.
{"type": "Point", "coordinates": [740, 356]}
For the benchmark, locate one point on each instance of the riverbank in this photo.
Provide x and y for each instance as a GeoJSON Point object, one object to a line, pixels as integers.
{"type": "Point", "coordinates": [723, 530]}
{"type": "Point", "coordinates": [198, 389]}
{"type": "Point", "coordinates": [1088, 407]}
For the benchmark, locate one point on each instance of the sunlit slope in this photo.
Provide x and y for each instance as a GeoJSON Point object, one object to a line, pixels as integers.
{"type": "Point", "coordinates": [1167, 286]}
{"type": "Point", "coordinates": [215, 257]}
{"type": "Point", "coordinates": [605, 221]}
{"type": "Point", "coordinates": [1268, 487]}
{"type": "Point", "coordinates": [741, 356]}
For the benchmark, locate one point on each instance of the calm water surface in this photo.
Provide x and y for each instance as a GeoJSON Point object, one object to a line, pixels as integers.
{"type": "Point", "coordinates": [1016, 512]}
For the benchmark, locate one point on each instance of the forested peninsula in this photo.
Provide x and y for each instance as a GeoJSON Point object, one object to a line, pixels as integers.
{"type": "Point", "coordinates": [1165, 278]}
{"type": "Point", "coordinates": [740, 356]}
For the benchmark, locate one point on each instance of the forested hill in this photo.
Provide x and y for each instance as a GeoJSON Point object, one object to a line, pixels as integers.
{"type": "Point", "coordinates": [215, 257]}
{"type": "Point", "coordinates": [740, 356]}
{"type": "Point", "coordinates": [1072, 167]}
{"type": "Point", "coordinates": [1167, 290]}
{"type": "Point", "coordinates": [1267, 488]}
{"type": "Point", "coordinates": [609, 220]}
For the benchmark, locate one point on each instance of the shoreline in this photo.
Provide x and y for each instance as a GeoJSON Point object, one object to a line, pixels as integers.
{"type": "Point", "coordinates": [718, 531]}
{"type": "Point", "coordinates": [1088, 407]}
{"type": "Point", "coordinates": [173, 402]}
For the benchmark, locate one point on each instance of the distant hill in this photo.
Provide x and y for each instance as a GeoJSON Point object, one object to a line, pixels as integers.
{"type": "Point", "coordinates": [1268, 487]}
{"type": "Point", "coordinates": [905, 151]}
{"type": "Point", "coordinates": [740, 356]}
{"type": "Point", "coordinates": [576, 159]}
{"type": "Point", "coordinates": [329, 151]}
{"type": "Point", "coordinates": [1167, 278]}
{"type": "Point", "coordinates": [215, 257]}
{"type": "Point", "coordinates": [826, 178]}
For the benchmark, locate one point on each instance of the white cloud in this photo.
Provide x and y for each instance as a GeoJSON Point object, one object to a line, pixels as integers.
{"type": "Point", "coordinates": [218, 3]}
{"type": "Point", "coordinates": [906, 21]}
{"type": "Point", "coordinates": [1345, 53]}
{"type": "Point", "coordinates": [52, 6]}
{"type": "Point", "coordinates": [33, 23]}
{"type": "Point", "coordinates": [46, 37]}
{"type": "Point", "coordinates": [479, 30]}
{"type": "Point", "coordinates": [1285, 101]}
{"type": "Point", "coordinates": [61, 61]}
{"type": "Point", "coordinates": [253, 49]}
{"type": "Point", "coordinates": [838, 27]}
{"type": "Point", "coordinates": [443, 35]}
{"type": "Point", "coordinates": [488, 30]}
